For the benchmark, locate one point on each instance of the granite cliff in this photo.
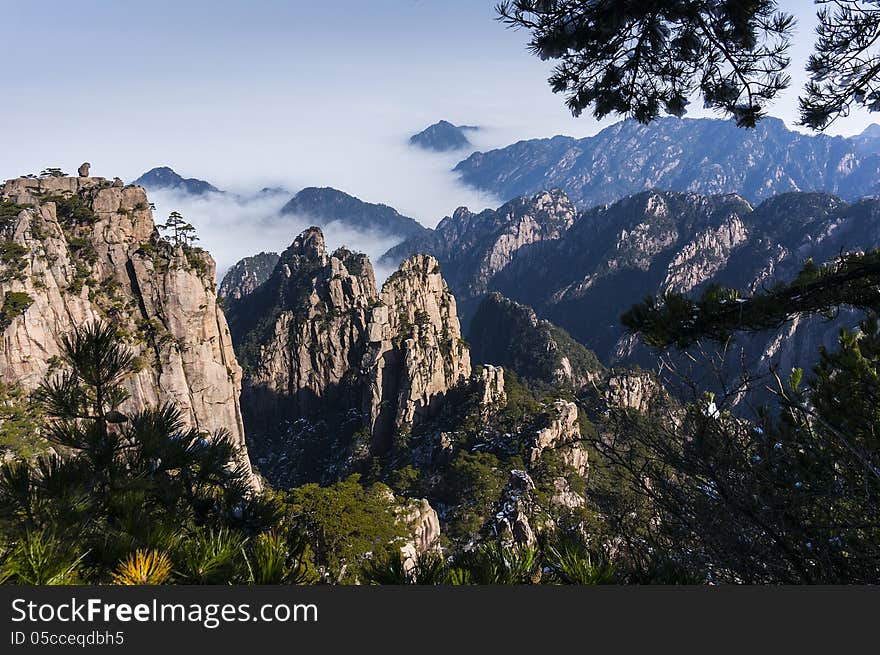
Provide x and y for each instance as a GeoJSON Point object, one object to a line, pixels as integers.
{"type": "Point", "coordinates": [80, 249]}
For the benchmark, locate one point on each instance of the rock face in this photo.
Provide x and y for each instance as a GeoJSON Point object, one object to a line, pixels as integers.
{"type": "Point", "coordinates": [516, 509]}
{"type": "Point", "coordinates": [562, 435]}
{"type": "Point", "coordinates": [303, 332]}
{"type": "Point", "coordinates": [478, 246]}
{"type": "Point", "coordinates": [423, 524]}
{"type": "Point", "coordinates": [636, 390]}
{"type": "Point", "coordinates": [83, 170]}
{"type": "Point", "coordinates": [327, 205]}
{"type": "Point", "coordinates": [318, 339]}
{"type": "Point", "coordinates": [416, 351]}
{"type": "Point", "coordinates": [86, 250]}
{"type": "Point", "coordinates": [164, 177]}
{"type": "Point", "coordinates": [442, 136]}
{"type": "Point", "coordinates": [243, 278]}
{"type": "Point", "coordinates": [705, 156]}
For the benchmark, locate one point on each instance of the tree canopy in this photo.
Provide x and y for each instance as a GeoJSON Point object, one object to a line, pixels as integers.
{"type": "Point", "coordinates": [639, 59]}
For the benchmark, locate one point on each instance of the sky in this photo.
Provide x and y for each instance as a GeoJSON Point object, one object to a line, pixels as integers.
{"type": "Point", "coordinates": [284, 93]}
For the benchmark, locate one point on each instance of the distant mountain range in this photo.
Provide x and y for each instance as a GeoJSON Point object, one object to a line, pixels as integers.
{"type": "Point", "coordinates": [164, 177]}
{"type": "Point", "coordinates": [443, 136]}
{"type": "Point", "coordinates": [583, 269]}
{"type": "Point", "coordinates": [320, 205]}
{"type": "Point", "coordinates": [704, 156]}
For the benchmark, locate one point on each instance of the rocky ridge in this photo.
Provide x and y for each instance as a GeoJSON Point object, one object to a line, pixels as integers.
{"type": "Point", "coordinates": [705, 156]}
{"type": "Point", "coordinates": [318, 335]}
{"type": "Point", "coordinates": [442, 136]}
{"type": "Point", "coordinates": [328, 205]}
{"type": "Point", "coordinates": [612, 256]}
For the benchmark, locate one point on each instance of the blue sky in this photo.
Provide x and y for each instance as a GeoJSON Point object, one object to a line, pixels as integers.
{"type": "Point", "coordinates": [264, 92]}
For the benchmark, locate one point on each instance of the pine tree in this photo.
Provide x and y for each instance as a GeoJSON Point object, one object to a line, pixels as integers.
{"type": "Point", "coordinates": [117, 482]}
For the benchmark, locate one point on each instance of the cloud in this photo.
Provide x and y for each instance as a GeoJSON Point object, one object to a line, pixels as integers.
{"type": "Point", "coordinates": [232, 227]}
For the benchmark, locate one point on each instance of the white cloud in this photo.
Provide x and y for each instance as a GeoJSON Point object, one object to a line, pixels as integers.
{"type": "Point", "coordinates": [231, 227]}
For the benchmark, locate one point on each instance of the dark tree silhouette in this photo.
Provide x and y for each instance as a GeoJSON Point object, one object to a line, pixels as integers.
{"type": "Point", "coordinates": [641, 58]}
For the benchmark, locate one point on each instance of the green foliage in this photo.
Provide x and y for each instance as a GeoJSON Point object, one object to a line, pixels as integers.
{"type": "Point", "coordinates": [72, 211]}
{"type": "Point", "coordinates": [209, 556]}
{"type": "Point", "coordinates": [572, 563]}
{"type": "Point", "coordinates": [280, 557]}
{"type": "Point", "coordinates": [791, 499]}
{"type": "Point", "coordinates": [344, 522]}
{"type": "Point", "coordinates": [9, 212]}
{"type": "Point", "coordinates": [492, 563]}
{"type": "Point", "coordinates": [12, 260]}
{"type": "Point", "coordinates": [853, 281]}
{"type": "Point", "coordinates": [425, 569]}
{"type": "Point", "coordinates": [20, 420]}
{"type": "Point", "coordinates": [40, 558]}
{"type": "Point", "coordinates": [180, 233]}
{"type": "Point", "coordinates": [119, 484]}
{"type": "Point", "coordinates": [472, 487]}
{"type": "Point", "coordinates": [843, 68]}
{"type": "Point", "coordinates": [15, 303]}
{"type": "Point", "coordinates": [653, 57]}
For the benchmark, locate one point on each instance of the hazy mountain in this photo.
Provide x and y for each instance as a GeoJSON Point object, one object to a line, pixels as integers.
{"type": "Point", "coordinates": [165, 178]}
{"type": "Point", "coordinates": [869, 140]}
{"type": "Point", "coordinates": [326, 205]}
{"type": "Point", "coordinates": [704, 156]}
{"type": "Point", "coordinates": [443, 136]}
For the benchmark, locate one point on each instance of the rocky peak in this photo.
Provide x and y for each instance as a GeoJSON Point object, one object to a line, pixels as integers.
{"type": "Point", "coordinates": [163, 177]}
{"type": "Point", "coordinates": [324, 340]}
{"type": "Point", "coordinates": [442, 136]}
{"type": "Point", "coordinates": [249, 273]}
{"type": "Point", "coordinates": [86, 249]}
{"type": "Point", "coordinates": [705, 156]}
{"type": "Point", "coordinates": [511, 334]}
{"type": "Point", "coordinates": [307, 247]}
{"type": "Point", "coordinates": [483, 244]}
{"type": "Point", "coordinates": [415, 337]}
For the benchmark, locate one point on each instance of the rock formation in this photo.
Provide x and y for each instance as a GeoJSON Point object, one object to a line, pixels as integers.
{"type": "Point", "coordinates": [517, 507]}
{"type": "Point", "coordinates": [563, 436]}
{"type": "Point", "coordinates": [164, 177]}
{"type": "Point", "coordinates": [318, 338]}
{"type": "Point", "coordinates": [83, 170]}
{"type": "Point", "coordinates": [82, 250]}
{"type": "Point", "coordinates": [416, 353]}
{"type": "Point", "coordinates": [478, 246]}
{"type": "Point", "coordinates": [323, 206]}
{"type": "Point", "coordinates": [509, 333]}
{"type": "Point", "coordinates": [443, 136]}
{"type": "Point", "coordinates": [423, 524]}
{"type": "Point", "coordinates": [249, 273]}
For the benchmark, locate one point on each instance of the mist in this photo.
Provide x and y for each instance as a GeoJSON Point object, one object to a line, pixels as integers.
{"type": "Point", "coordinates": [232, 227]}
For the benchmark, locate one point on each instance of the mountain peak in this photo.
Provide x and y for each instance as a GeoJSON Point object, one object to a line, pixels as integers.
{"type": "Point", "coordinates": [872, 131]}
{"type": "Point", "coordinates": [442, 136]}
{"type": "Point", "coordinates": [164, 177]}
